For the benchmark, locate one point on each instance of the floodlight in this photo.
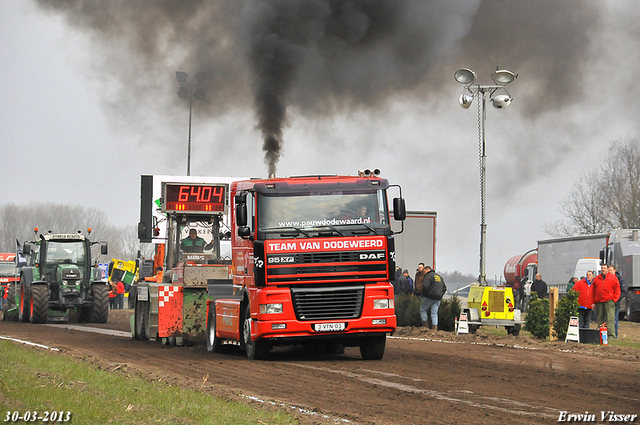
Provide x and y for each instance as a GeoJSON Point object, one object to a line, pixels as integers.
{"type": "Point", "coordinates": [183, 92]}
{"type": "Point", "coordinates": [465, 100]}
{"type": "Point", "coordinates": [503, 77]}
{"type": "Point", "coordinates": [501, 101]}
{"type": "Point", "coordinates": [199, 94]}
{"type": "Point", "coordinates": [465, 76]}
{"type": "Point", "coordinates": [200, 78]}
{"type": "Point", "coordinates": [181, 76]}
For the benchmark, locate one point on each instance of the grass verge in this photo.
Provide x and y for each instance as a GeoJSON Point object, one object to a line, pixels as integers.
{"type": "Point", "coordinates": [35, 380]}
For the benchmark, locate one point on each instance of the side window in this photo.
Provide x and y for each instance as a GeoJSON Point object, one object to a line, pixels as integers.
{"type": "Point", "coordinates": [35, 255]}
{"type": "Point", "coordinates": [251, 211]}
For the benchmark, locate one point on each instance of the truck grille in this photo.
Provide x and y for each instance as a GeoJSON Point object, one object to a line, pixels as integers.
{"type": "Point", "coordinates": [329, 267]}
{"type": "Point", "coordinates": [328, 303]}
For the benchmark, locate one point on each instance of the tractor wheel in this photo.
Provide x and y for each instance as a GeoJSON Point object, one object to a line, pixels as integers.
{"type": "Point", "coordinates": [100, 308]}
{"type": "Point", "coordinates": [256, 350]}
{"type": "Point", "coordinates": [39, 305]}
{"type": "Point", "coordinates": [9, 303]}
{"type": "Point", "coordinates": [24, 304]}
{"type": "Point", "coordinates": [373, 348]}
{"type": "Point", "coordinates": [214, 345]}
{"type": "Point", "coordinates": [11, 296]}
{"type": "Point", "coordinates": [141, 320]}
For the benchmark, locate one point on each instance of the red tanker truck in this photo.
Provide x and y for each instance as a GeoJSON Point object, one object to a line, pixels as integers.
{"type": "Point", "coordinates": [519, 272]}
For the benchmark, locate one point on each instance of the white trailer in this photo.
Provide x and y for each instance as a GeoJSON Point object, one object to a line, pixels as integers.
{"type": "Point", "coordinates": [557, 258]}
{"type": "Point", "coordinates": [417, 243]}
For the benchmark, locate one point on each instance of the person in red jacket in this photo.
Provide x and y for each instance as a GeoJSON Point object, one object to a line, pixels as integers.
{"type": "Point", "coordinates": [120, 295]}
{"type": "Point", "coordinates": [604, 293]}
{"type": "Point", "coordinates": [113, 293]}
{"type": "Point", "coordinates": [583, 287]}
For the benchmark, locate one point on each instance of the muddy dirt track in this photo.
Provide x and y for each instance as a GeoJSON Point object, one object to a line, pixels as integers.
{"type": "Point", "coordinates": [423, 378]}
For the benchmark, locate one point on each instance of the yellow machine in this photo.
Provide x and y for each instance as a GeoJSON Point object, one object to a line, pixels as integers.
{"type": "Point", "coordinates": [493, 306]}
{"type": "Point", "coordinates": [125, 271]}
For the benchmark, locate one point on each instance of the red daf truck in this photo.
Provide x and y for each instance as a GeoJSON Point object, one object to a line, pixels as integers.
{"type": "Point", "coordinates": [313, 258]}
{"type": "Point", "coordinates": [305, 260]}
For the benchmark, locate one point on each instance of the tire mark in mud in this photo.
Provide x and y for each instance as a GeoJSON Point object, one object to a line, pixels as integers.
{"type": "Point", "coordinates": [482, 401]}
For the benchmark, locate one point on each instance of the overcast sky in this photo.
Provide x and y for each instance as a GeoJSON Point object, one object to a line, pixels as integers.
{"type": "Point", "coordinates": [89, 103]}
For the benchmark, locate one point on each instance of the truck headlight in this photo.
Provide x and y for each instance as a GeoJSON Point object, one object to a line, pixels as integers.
{"type": "Point", "coordinates": [270, 308]}
{"type": "Point", "coordinates": [384, 303]}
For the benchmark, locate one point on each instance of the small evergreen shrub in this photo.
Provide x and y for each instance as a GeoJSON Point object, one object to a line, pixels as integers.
{"type": "Point", "coordinates": [537, 321]}
{"type": "Point", "coordinates": [408, 310]}
{"type": "Point", "coordinates": [567, 307]}
{"type": "Point", "coordinates": [447, 313]}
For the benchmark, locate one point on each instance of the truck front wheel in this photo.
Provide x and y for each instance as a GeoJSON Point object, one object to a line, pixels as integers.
{"type": "Point", "coordinates": [256, 350]}
{"type": "Point", "coordinates": [213, 342]}
{"type": "Point", "coordinates": [141, 320]}
{"type": "Point", "coordinates": [373, 348]}
{"type": "Point", "coordinates": [632, 315]}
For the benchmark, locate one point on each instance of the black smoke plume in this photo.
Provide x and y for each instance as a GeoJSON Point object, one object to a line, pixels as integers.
{"type": "Point", "coordinates": [322, 57]}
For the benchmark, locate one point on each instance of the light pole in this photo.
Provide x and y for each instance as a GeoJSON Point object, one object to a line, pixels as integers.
{"type": "Point", "coordinates": [186, 91]}
{"type": "Point", "coordinates": [501, 78]}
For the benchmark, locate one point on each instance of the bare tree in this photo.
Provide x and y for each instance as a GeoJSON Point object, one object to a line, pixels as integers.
{"type": "Point", "coordinates": [606, 197]}
{"type": "Point", "coordinates": [18, 222]}
{"type": "Point", "coordinates": [620, 181]}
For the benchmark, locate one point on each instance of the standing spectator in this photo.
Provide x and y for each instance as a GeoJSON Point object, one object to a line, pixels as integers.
{"type": "Point", "coordinates": [406, 274]}
{"type": "Point", "coordinates": [433, 288]}
{"type": "Point", "coordinates": [583, 288]}
{"type": "Point", "coordinates": [623, 293]}
{"type": "Point", "coordinates": [402, 285]}
{"type": "Point", "coordinates": [417, 282]}
{"type": "Point", "coordinates": [113, 293]}
{"type": "Point", "coordinates": [539, 286]}
{"type": "Point", "coordinates": [571, 283]}
{"type": "Point", "coordinates": [120, 295]}
{"type": "Point", "coordinates": [604, 292]}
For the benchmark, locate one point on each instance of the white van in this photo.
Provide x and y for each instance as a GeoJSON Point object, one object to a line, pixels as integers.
{"type": "Point", "coordinates": [585, 264]}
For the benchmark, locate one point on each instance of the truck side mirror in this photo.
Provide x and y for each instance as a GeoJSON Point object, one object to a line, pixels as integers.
{"type": "Point", "coordinates": [399, 209]}
{"type": "Point", "coordinates": [26, 249]}
{"type": "Point", "coordinates": [142, 230]}
{"type": "Point", "coordinates": [244, 232]}
{"type": "Point", "coordinates": [104, 250]}
{"type": "Point", "coordinates": [241, 210]}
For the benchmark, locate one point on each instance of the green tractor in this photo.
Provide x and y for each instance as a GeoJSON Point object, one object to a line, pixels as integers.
{"type": "Point", "coordinates": [57, 280]}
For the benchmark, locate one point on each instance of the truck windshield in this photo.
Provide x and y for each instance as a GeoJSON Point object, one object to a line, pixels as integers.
{"type": "Point", "coordinates": [322, 209]}
{"type": "Point", "coordinates": [7, 269]}
{"type": "Point", "coordinates": [66, 252]}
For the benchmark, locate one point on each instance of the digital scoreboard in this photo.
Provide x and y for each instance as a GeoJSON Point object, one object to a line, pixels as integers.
{"type": "Point", "coordinates": [195, 198]}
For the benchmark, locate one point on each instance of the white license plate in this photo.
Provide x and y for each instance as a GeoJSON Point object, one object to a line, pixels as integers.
{"type": "Point", "coordinates": [328, 327]}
